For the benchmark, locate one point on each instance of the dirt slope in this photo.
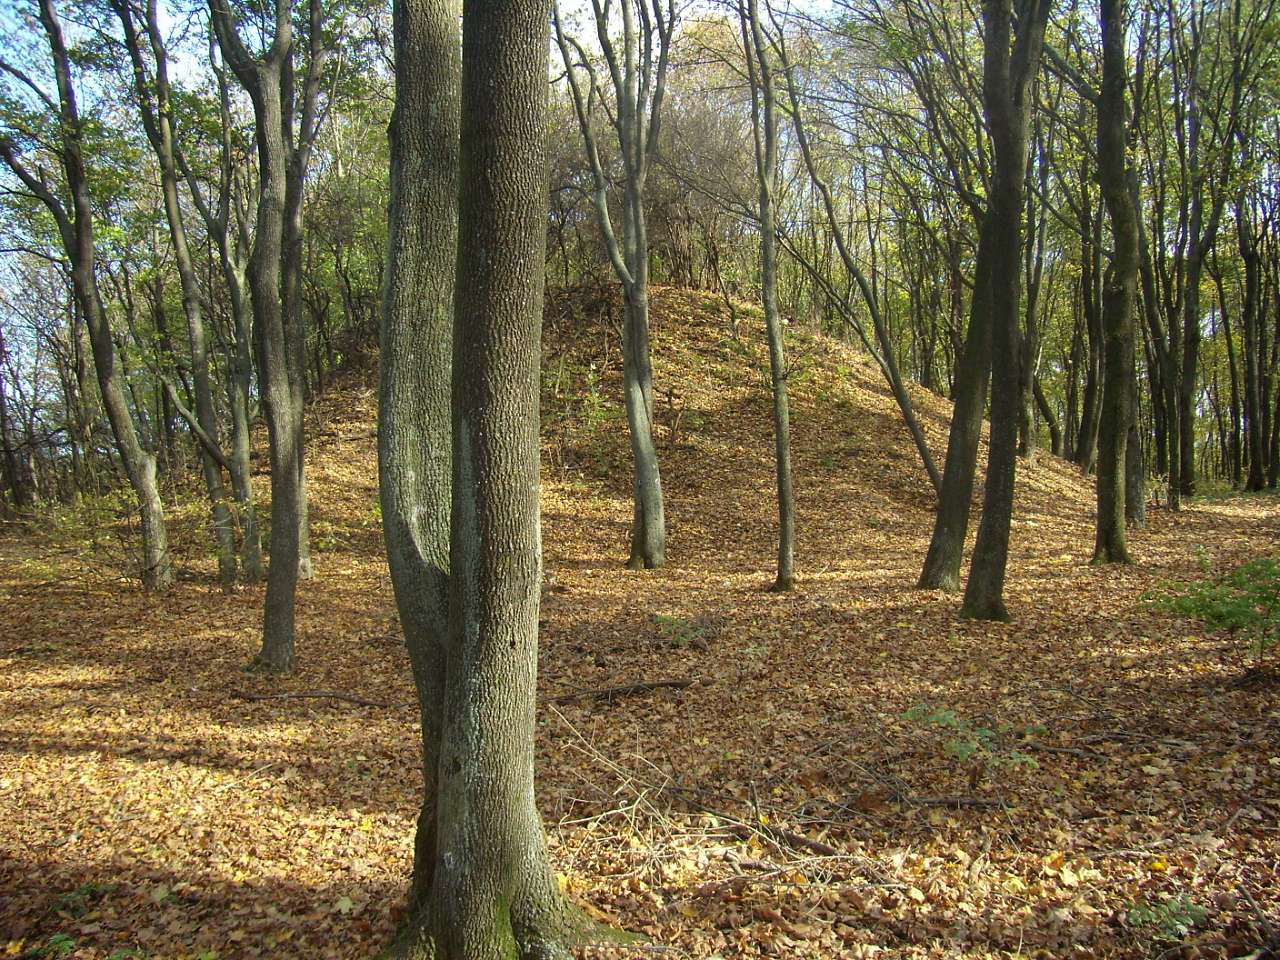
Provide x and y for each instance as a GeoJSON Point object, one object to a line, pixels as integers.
{"type": "Point", "coordinates": [782, 805]}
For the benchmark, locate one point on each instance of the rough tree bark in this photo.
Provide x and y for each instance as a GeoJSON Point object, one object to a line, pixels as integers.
{"type": "Point", "coordinates": [483, 886]}
{"type": "Point", "coordinates": [414, 426]}
{"type": "Point", "coordinates": [1120, 291]}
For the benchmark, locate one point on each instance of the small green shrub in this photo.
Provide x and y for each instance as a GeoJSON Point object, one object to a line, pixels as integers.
{"type": "Point", "coordinates": [1170, 919]}
{"type": "Point", "coordinates": [59, 945]}
{"type": "Point", "coordinates": [968, 741]}
{"type": "Point", "coordinates": [677, 631]}
{"type": "Point", "coordinates": [76, 903]}
{"type": "Point", "coordinates": [1245, 602]}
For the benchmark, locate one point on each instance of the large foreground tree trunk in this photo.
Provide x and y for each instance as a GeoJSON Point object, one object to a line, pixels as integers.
{"type": "Point", "coordinates": [483, 886]}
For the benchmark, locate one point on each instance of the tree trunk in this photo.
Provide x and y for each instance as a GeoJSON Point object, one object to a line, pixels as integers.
{"type": "Point", "coordinates": [489, 893]}
{"type": "Point", "coordinates": [157, 122]}
{"type": "Point", "coordinates": [648, 528]}
{"type": "Point", "coordinates": [267, 80]}
{"type": "Point", "coordinates": [1050, 418]}
{"type": "Point", "coordinates": [77, 234]}
{"type": "Point", "coordinates": [951, 524]}
{"type": "Point", "coordinates": [765, 129]}
{"type": "Point", "coordinates": [1007, 77]}
{"type": "Point", "coordinates": [1120, 292]}
{"type": "Point", "coordinates": [415, 363]}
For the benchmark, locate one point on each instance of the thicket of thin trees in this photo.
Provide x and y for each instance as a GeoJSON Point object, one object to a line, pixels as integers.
{"type": "Point", "coordinates": [1062, 217]}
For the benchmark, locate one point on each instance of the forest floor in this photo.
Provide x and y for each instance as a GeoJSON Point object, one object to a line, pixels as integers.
{"type": "Point", "coordinates": [1120, 796]}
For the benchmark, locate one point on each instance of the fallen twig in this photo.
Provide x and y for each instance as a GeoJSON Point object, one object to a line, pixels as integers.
{"type": "Point", "coordinates": [317, 695]}
{"type": "Point", "coordinates": [952, 802]}
{"type": "Point", "coordinates": [626, 689]}
{"type": "Point", "coordinates": [1070, 751]}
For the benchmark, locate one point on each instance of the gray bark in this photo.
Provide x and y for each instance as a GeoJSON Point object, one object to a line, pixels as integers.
{"type": "Point", "coordinates": [483, 886]}
{"type": "Point", "coordinates": [415, 363]}
{"type": "Point", "coordinates": [637, 65]}
{"type": "Point", "coordinates": [157, 121]}
{"type": "Point", "coordinates": [269, 82]}
{"type": "Point", "coordinates": [759, 59]}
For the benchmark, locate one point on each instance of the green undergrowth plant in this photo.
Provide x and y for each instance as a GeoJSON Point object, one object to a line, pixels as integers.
{"type": "Point", "coordinates": [994, 748]}
{"type": "Point", "coordinates": [1172, 918]}
{"type": "Point", "coordinates": [677, 631]}
{"type": "Point", "coordinates": [1245, 602]}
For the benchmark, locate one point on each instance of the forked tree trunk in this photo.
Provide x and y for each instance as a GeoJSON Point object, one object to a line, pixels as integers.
{"type": "Point", "coordinates": [269, 81]}
{"type": "Point", "coordinates": [483, 887]}
{"type": "Point", "coordinates": [637, 63]}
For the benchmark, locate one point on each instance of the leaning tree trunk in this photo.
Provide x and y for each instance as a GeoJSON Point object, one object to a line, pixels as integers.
{"type": "Point", "coordinates": [77, 235]}
{"type": "Point", "coordinates": [951, 523]}
{"type": "Point", "coordinates": [1007, 77]}
{"type": "Point", "coordinates": [1119, 295]}
{"type": "Point", "coordinates": [157, 122]}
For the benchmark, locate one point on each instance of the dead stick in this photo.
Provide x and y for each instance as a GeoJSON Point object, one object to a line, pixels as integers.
{"type": "Point", "coordinates": [608, 693]}
{"type": "Point", "coordinates": [317, 695]}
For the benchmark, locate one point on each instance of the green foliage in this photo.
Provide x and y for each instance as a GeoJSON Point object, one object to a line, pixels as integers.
{"type": "Point", "coordinates": [59, 945]}
{"type": "Point", "coordinates": [1245, 602]}
{"type": "Point", "coordinates": [677, 631]}
{"type": "Point", "coordinates": [593, 408]}
{"type": "Point", "coordinates": [968, 741]}
{"type": "Point", "coordinates": [1170, 919]}
{"type": "Point", "coordinates": [76, 903]}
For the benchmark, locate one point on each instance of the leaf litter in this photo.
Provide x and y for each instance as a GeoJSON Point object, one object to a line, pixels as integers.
{"type": "Point", "coordinates": [848, 770]}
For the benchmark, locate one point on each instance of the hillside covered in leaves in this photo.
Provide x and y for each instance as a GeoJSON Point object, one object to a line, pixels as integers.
{"type": "Point", "coordinates": [848, 770]}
